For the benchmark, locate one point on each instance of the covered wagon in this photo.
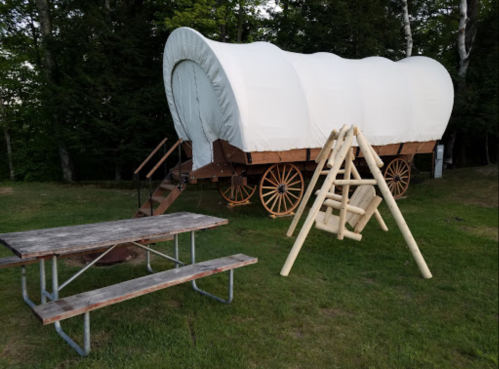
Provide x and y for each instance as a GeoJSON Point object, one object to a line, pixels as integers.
{"type": "Point", "coordinates": [254, 117]}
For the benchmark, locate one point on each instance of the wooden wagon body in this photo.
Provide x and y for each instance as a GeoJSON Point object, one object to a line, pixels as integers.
{"type": "Point", "coordinates": [241, 175]}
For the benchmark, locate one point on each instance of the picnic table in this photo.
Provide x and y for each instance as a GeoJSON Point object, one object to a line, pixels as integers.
{"type": "Point", "coordinates": [36, 246]}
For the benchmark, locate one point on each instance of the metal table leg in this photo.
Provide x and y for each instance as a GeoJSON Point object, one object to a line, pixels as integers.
{"type": "Point", "coordinates": [24, 288]}
{"type": "Point", "coordinates": [86, 317]}
{"type": "Point", "coordinates": [197, 289]}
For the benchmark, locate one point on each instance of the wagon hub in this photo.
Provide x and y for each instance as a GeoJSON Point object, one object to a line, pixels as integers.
{"type": "Point", "coordinates": [282, 188]}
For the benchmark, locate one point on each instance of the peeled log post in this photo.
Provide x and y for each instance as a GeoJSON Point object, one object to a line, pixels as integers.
{"type": "Point", "coordinates": [323, 155]}
{"type": "Point", "coordinates": [317, 205]}
{"type": "Point", "coordinates": [392, 205]}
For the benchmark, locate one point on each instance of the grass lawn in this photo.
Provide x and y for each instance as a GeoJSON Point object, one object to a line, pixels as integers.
{"type": "Point", "coordinates": [345, 304]}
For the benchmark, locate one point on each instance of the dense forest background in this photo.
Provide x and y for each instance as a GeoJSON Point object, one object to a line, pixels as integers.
{"type": "Point", "coordinates": [81, 86]}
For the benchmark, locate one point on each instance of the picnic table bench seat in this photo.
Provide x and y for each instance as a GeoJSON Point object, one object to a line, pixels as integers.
{"type": "Point", "coordinates": [84, 302]}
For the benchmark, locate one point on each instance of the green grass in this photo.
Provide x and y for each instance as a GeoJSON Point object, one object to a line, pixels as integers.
{"type": "Point", "coordinates": [345, 304]}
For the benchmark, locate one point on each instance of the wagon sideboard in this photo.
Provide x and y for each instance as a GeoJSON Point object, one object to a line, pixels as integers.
{"type": "Point", "coordinates": [230, 160]}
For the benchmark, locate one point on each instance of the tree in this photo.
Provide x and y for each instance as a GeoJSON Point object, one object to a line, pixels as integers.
{"type": "Point", "coordinates": [407, 29]}
{"type": "Point", "coordinates": [222, 20]}
{"type": "Point", "coordinates": [51, 73]}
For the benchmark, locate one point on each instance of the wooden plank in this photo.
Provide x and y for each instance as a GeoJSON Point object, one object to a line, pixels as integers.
{"type": "Point", "coordinates": [78, 304]}
{"type": "Point", "coordinates": [150, 156]}
{"type": "Point", "coordinates": [387, 150]}
{"type": "Point", "coordinates": [427, 147]}
{"type": "Point", "coordinates": [232, 153]}
{"type": "Point", "coordinates": [163, 158]}
{"type": "Point", "coordinates": [410, 148]}
{"type": "Point", "coordinates": [187, 146]}
{"type": "Point", "coordinates": [79, 238]}
{"type": "Point", "coordinates": [13, 261]}
{"type": "Point", "coordinates": [361, 198]}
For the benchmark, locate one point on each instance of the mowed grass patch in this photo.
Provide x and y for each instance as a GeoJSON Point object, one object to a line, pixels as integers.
{"type": "Point", "coordinates": [345, 304]}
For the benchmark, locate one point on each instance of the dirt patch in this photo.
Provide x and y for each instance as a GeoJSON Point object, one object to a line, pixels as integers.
{"type": "Point", "coordinates": [6, 190]}
{"type": "Point", "coordinates": [369, 281]}
{"type": "Point", "coordinates": [298, 334]}
{"type": "Point", "coordinates": [174, 304]}
{"type": "Point", "coordinates": [334, 312]}
{"type": "Point", "coordinates": [489, 170]}
{"type": "Point", "coordinates": [487, 232]}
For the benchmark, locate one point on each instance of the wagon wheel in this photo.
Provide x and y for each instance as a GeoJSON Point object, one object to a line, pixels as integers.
{"type": "Point", "coordinates": [281, 188]}
{"type": "Point", "coordinates": [236, 194]}
{"type": "Point", "coordinates": [398, 176]}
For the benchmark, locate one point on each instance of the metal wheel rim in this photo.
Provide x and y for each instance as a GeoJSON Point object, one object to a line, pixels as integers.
{"type": "Point", "coordinates": [397, 177]}
{"type": "Point", "coordinates": [281, 188]}
{"type": "Point", "coordinates": [236, 194]}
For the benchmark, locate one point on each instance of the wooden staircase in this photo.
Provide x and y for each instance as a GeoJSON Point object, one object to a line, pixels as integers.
{"type": "Point", "coordinates": [167, 192]}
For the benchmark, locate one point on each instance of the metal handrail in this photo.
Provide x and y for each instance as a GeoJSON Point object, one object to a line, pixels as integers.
{"type": "Point", "coordinates": [164, 158]}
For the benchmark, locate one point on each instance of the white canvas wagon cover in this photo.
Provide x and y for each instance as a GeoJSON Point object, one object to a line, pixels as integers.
{"type": "Point", "coordinates": [261, 98]}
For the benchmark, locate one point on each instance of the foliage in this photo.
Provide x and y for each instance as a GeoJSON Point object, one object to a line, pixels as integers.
{"type": "Point", "coordinates": [222, 20]}
{"type": "Point", "coordinates": [108, 100]}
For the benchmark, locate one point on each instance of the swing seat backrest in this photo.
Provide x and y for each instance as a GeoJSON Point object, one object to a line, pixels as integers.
{"type": "Point", "coordinates": [364, 197]}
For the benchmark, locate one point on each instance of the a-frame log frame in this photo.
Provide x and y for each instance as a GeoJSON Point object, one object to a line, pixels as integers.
{"type": "Point", "coordinates": [341, 144]}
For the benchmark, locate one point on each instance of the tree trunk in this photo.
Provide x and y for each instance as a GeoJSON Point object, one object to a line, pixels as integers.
{"type": "Point", "coordinates": [222, 26]}
{"type": "Point", "coordinates": [487, 152]}
{"type": "Point", "coordinates": [466, 34]}
{"type": "Point", "coordinates": [9, 153]}
{"type": "Point", "coordinates": [449, 147]}
{"type": "Point", "coordinates": [407, 30]}
{"type": "Point", "coordinates": [117, 172]}
{"type": "Point", "coordinates": [6, 134]}
{"type": "Point", "coordinates": [240, 22]}
{"type": "Point", "coordinates": [50, 66]}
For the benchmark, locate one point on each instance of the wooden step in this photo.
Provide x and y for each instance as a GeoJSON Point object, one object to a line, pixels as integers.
{"type": "Point", "coordinates": [168, 187]}
{"type": "Point", "coordinates": [78, 304]}
{"type": "Point", "coordinates": [158, 199]}
{"type": "Point", "coordinates": [145, 211]}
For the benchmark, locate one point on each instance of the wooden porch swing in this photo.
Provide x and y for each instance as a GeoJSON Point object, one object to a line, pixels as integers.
{"type": "Point", "coordinates": [355, 211]}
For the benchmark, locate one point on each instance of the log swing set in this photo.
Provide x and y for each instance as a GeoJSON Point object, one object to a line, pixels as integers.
{"type": "Point", "coordinates": [356, 210]}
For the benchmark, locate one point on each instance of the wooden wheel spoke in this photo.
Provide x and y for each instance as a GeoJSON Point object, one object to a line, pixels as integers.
{"type": "Point", "coordinates": [236, 193]}
{"type": "Point", "coordinates": [268, 188]}
{"type": "Point", "coordinates": [286, 180]}
{"type": "Point", "coordinates": [244, 189]}
{"type": "Point", "coordinates": [283, 173]}
{"type": "Point", "coordinates": [276, 180]}
{"type": "Point", "coordinates": [290, 179]}
{"type": "Point", "coordinates": [292, 184]}
{"type": "Point", "coordinates": [400, 187]}
{"type": "Point", "coordinates": [269, 180]}
{"type": "Point", "coordinates": [390, 170]}
{"type": "Point", "coordinates": [275, 200]}
{"type": "Point", "coordinates": [269, 193]}
{"type": "Point", "coordinates": [269, 200]}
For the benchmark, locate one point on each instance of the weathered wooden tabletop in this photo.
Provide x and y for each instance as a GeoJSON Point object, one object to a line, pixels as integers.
{"type": "Point", "coordinates": [51, 241]}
